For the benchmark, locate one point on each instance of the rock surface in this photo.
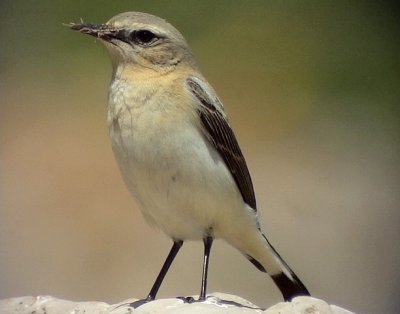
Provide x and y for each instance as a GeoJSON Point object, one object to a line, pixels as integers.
{"type": "Point", "coordinates": [216, 303]}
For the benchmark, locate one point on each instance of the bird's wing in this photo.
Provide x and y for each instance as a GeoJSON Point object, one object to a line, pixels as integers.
{"type": "Point", "coordinates": [218, 131]}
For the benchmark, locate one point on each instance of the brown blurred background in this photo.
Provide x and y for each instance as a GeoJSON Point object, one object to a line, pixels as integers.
{"type": "Point", "coordinates": [312, 90]}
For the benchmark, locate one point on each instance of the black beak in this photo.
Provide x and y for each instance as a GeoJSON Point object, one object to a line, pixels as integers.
{"type": "Point", "coordinates": [102, 31]}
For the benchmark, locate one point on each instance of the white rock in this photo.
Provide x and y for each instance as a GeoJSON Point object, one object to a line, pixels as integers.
{"type": "Point", "coordinates": [216, 303]}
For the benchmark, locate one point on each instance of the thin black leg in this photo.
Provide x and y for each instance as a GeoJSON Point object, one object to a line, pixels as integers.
{"type": "Point", "coordinates": [207, 248]}
{"type": "Point", "coordinates": [170, 258]}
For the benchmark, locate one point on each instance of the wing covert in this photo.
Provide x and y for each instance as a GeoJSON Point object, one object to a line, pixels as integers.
{"type": "Point", "coordinates": [218, 131]}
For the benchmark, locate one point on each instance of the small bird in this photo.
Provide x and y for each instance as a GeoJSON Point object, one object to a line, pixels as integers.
{"type": "Point", "coordinates": [176, 150]}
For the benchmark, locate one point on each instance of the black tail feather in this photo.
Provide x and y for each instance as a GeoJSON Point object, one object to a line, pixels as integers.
{"type": "Point", "coordinates": [290, 287]}
{"type": "Point", "coordinates": [256, 263]}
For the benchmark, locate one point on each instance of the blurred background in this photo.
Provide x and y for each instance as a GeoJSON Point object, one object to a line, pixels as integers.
{"type": "Point", "coordinates": [312, 91]}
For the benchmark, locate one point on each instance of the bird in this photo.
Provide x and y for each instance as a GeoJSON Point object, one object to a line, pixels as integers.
{"type": "Point", "coordinates": [176, 150]}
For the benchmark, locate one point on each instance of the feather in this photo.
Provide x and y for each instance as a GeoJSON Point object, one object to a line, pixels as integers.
{"type": "Point", "coordinates": [218, 131]}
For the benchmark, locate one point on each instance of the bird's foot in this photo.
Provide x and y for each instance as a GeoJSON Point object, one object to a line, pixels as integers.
{"type": "Point", "coordinates": [217, 300]}
{"type": "Point", "coordinates": [141, 302]}
{"type": "Point", "coordinates": [138, 303]}
{"type": "Point", "coordinates": [188, 300]}
{"type": "Point", "coordinates": [191, 300]}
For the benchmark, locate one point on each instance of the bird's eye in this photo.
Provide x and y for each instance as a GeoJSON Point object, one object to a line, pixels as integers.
{"type": "Point", "coordinates": [144, 37]}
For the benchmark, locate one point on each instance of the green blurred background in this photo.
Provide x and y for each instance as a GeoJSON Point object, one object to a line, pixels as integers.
{"type": "Point", "coordinates": [312, 90]}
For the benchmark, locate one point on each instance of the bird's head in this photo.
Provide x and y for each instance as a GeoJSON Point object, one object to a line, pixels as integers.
{"type": "Point", "coordinates": [140, 40]}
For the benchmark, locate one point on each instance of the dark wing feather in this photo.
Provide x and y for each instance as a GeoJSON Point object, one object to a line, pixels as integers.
{"type": "Point", "coordinates": [220, 134]}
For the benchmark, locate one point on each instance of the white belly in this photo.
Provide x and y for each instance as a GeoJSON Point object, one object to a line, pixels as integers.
{"type": "Point", "coordinates": [181, 182]}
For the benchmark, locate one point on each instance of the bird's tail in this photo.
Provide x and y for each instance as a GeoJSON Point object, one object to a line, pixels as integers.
{"type": "Point", "coordinates": [267, 259]}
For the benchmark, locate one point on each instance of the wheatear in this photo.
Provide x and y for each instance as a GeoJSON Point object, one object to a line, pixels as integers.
{"type": "Point", "coordinates": [176, 150]}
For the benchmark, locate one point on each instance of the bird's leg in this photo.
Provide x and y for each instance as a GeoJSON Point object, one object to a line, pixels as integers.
{"type": "Point", "coordinates": [156, 286]}
{"type": "Point", "coordinates": [208, 240]}
{"type": "Point", "coordinates": [170, 258]}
